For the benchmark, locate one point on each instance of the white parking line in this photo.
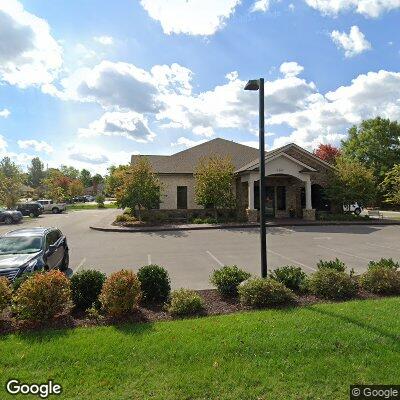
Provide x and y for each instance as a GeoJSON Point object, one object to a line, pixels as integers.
{"type": "Point", "coordinates": [214, 258]}
{"type": "Point", "coordinates": [383, 247]}
{"type": "Point", "coordinates": [291, 260]}
{"type": "Point", "coordinates": [343, 252]}
{"type": "Point", "coordinates": [80, 265]}
{"type": "Point", "coordinates": [149, 259]}
{"type": "Point", "coordinates": [322, 238]}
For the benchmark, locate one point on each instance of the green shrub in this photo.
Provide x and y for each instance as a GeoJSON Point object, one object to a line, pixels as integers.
{"type": "Point", "coordinates": [128, 211]}
{"type": "Point", "coordinates": [228, 278]}
{"type": "Point", "coordinates": [120, 293]}
{"type": "Point", "coordinates": [21, 279]}
{"type": "Point", "coordinates": [86, 287]}
{"type": "Point", "coordinates": [380, 279]}
{"type": "Point", "coordinates": [100, 199]}
{"type": "Point", "coordinates": [335, 264]}
{"type": "Point", "coordinates": [125, 218]}
{"type": "Point", "coordinates": [43, 296]}
{"type": "Point", "coordinates": [292, 277]}
{"type": "Point", "coordinates": [5, 293]}
{"type": "Point", "coordinates": [185, 302]}
{"type": "Point", "coordinates": [155, 283]}
{"type": "Point", "coordinates": [384, 263]}
{"type": "Point", "coordinates": [332, 284]}
{"type": "Point", "coordinates": [261, 292]}
{"type": "Point", "coordinates": [205, 220]}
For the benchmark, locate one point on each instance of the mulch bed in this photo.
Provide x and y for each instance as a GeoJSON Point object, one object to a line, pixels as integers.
{"type": "Point", "coordinates": [214, 304]}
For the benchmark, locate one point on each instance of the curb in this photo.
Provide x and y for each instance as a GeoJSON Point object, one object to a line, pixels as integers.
{"type": "Point", "coordinates": [241, 226]}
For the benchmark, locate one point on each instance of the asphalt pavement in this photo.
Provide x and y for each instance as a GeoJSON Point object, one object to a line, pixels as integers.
{"type": "Point", "coordinates": [190, 256]}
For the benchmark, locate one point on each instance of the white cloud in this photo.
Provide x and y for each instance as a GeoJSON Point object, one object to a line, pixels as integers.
{"type": "Point", "coordinates": [292, 68]}
{"type": "Point", "coordinates": [38, 146]}
{"type": "Point", "coordinates": [88, 158]}
{"type": "Point", "coordinates": [3, 145]}
{"type": "Point", "coordinates": [130, 125]}
{"type": "Point", "coordinates": [352, 43]}
{"type": "Point", "coordinates": [368, 8]}
{"type": "Point", "coordinates": [5, 113]}
{"type": "Point", "coordinates": [183, 141]}
{"type": "Point", "coordinates": [204, 131]}
{"type": "Point", "coordinates": [260, 5]}
{"type": "Point", "coordinates": [29, 55]}
{"type": "Point", "coordinates": [250, 143]}
{"type": "Point", "coordinates": [105, 40]}
{"type": "Point", "coordinates": [191, 17]}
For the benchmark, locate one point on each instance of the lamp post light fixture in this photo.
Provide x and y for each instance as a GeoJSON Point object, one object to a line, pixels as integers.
{"type": "Point", "coordinates": [258, 84]}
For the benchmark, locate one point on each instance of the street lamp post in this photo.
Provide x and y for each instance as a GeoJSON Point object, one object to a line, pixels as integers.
{"type": "Point", "coordinates": [258, 84]}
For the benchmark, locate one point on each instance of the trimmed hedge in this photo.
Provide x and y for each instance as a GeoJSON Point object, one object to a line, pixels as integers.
{"type": "Point", "coordinates": [335, 264]}
{"type": "Point", "coordinates": [120, 293]}
{"type": "Point", "coordinates": [228, 278]}
{"type": "Point", "coordinates": [185, 302]}
{"type": "Point", "coordinates": [155, 283]}
{"type": "Point", "coordinates": [86, 287]}
{"type": "Point", "coordinates": [261, 292]}
{"type": "Point", "coordinates": [379, 279]}
{"type": "Point", "coordinates": [292, 277]}
{"type": "Point", "coordinates": [332, 284]}
{"type": "Point", "coordinates": [43, 296]}
{"type": "Point", "coordinates": [5, 293]}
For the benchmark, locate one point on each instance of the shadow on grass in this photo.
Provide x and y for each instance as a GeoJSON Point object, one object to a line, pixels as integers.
{"type": "Point", "coordinates": [379, 331]}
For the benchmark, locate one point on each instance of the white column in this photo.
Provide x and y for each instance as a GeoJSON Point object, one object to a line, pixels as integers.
{"type": "Point", "coordinates": [251, 194]}
{"type": "Point", "coordinates": [308, 195]}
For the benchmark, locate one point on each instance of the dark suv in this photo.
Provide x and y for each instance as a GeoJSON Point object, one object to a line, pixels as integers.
{"type": "Point", "coordinates": [33, 208]}
{"type": "Point", "coordinates": [31, 249]}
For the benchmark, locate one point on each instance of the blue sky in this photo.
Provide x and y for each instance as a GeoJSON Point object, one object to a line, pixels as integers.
{"type": "Point", "coordinates": [87, 83]}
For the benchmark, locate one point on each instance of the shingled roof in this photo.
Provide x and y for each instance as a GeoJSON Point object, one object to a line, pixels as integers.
{"type": "Point", "coordinates": [185, 161]}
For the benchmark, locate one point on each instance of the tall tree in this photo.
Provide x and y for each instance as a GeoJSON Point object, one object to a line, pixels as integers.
{"type": "Point", "coordinates": [327, 152]}
{"type": "Point", "coordinates": [351, 182]}
{"type": "Point", "coordinates": [75, 188]}
{"type": "Point", "coordinates": [214, 178]}
{"type": "Point", "coordinates": [114, 178]}
{"type": "Point", "coordinates": [140, 187]}
{"type": "Point", "coordinates": [391, 186]}
{"type": "Point", "coordinates": [97, 180]}
{"type": "Point", "coordinates": [375, 143]}
{"type": "Point", "coordinates": [36, 173]}
{"type": "Point", "coordinates": [70, 172]}
{"type": "Point", "coordinates": [10, 182]}
{"type": "Point", "coordinates": [86, 178]}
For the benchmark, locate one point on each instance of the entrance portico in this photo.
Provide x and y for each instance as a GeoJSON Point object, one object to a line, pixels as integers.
{"type": "Point", "coordinates": [288, 187]}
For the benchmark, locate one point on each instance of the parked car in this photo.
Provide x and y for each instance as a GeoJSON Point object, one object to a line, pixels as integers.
{"type": "Point", "coordinates": [353, 208]}
{"type": "Point", "coordinates": [89, 198]}
{"type": "Point", "coordinates": [10, 216]}
{"type": "Point", "coordinates": [79, 199]}
{"type": "Point", "coordinates": [31, 249]}
{"type": "Point", "coordinates": [32, 208]}
{"type": "Point", "coordinates": [55, 208]}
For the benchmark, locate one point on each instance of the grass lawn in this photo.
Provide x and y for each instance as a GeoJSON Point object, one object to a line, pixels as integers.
{"type": "Point", "coordinates": [83, 206]}
{"type": "Point", "coordinates": [312, 353]}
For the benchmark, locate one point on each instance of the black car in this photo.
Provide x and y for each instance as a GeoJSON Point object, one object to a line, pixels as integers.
{"type": "Point", "coordinates": [79, 199]}
{"type": "Point", "coordinates": [32, 209]}
{"type": "Point", "coordinates": [28, 250]}
{"type": "Point", "coordinates": [10, 216]}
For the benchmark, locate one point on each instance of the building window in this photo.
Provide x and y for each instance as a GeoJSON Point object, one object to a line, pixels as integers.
{"type": "Point", "coordinates": [281, 198]}
{"type": "Point", "coordinates": [181, 195]}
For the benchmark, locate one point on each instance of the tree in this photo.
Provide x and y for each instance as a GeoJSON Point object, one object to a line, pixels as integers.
{"type": "Point", "coordinates": [36, 173]}
{"type": "Point", "coordinates": [70, 172]}
{"type": "Point", "coordinates": [140, 188]}
{"type": "Point", "coordinates": [214, 178]}
{"type": "Point", "coordinates": [75, 188]}
{"type": "Point", "coordinates": [10, 182]}
{"type": "Point", "coordinates": [351, 182]}
{"type": "Point", "coordinates": [97, 180]}
{"type": "Point", "coordinates": [375, 143]}
{"type": "Point", "coordinates": [57, 185]}
{"type": "Point", "coordinates": [391, 186]}
{"type": "Point", "coordinates": [86, 178]}
{"type": "Point", "coordinates": [327, 152]}
{"type": "Point", "coordinates": [114, 178]}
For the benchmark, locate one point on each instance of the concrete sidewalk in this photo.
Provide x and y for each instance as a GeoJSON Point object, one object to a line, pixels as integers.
{"type": "Point", "coordinates": [106, 225]}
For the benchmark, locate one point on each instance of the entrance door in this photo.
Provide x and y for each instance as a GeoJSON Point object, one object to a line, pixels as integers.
{"type": "Point", "coordinates": [181, 195]}
{"type": "Point", "coordinates": [270, 201]}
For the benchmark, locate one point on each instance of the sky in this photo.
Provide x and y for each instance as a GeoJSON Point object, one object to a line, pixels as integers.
{"type": "Point", "coordinates": [89, 83]}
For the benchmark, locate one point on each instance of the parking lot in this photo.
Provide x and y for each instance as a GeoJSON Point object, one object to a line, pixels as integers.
{"type": "Point", "coordinates": [190, 256]}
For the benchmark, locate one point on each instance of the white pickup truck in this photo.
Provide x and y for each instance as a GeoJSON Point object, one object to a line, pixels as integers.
{"type": "Point", "coordinates": [50, 206]}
